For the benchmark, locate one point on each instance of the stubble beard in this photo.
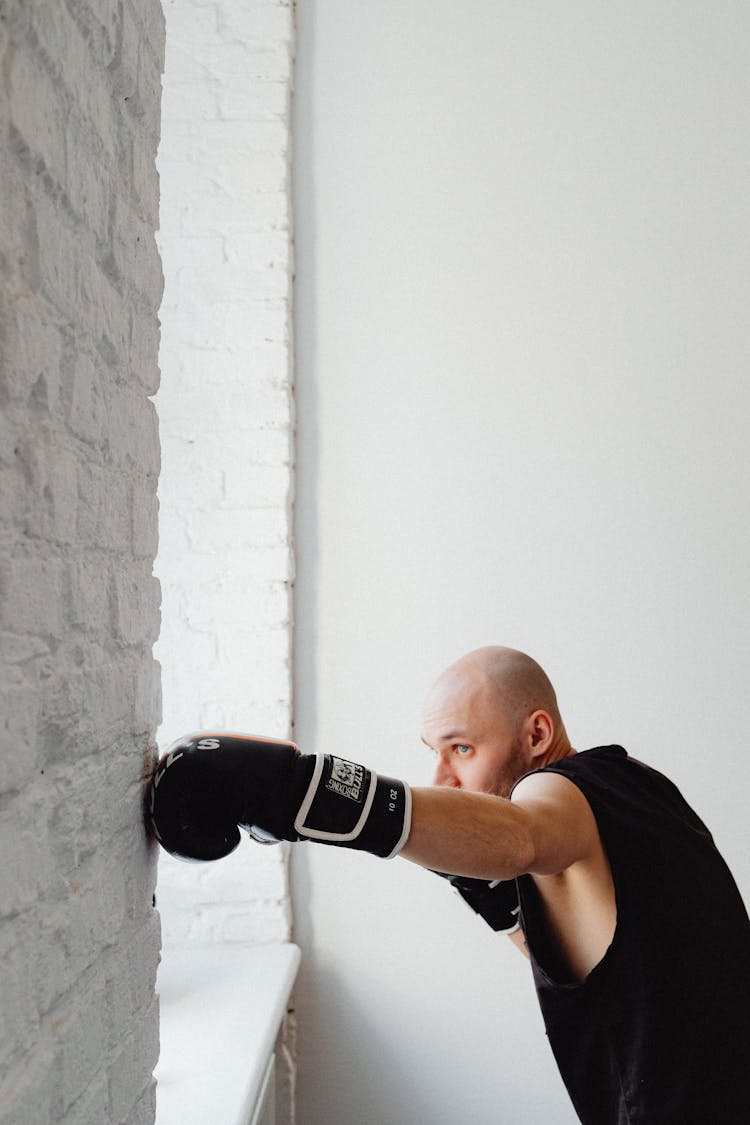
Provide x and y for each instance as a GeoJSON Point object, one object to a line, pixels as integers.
{"type": "Point", "coordinates": [514, 769]}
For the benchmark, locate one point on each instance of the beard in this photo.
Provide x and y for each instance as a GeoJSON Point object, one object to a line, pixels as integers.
{"type": "Point", "coordinates": [513, 768]}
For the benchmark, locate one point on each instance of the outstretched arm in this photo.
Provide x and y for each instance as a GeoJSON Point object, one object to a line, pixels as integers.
{"type": "Point", "coordinates": [546, 827]}
{"type": "Point", "coordinates": [209, 783]}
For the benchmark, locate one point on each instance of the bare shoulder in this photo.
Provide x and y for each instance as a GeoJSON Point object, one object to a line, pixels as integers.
{"type": "Point", "coordinates": [546, 785]}
{"type": "Point", "coordinates": [551, 789]}
{"type": "Point", "coordinates": [570, 869]}
{"type": "Point", "coordinates": [563, 824]}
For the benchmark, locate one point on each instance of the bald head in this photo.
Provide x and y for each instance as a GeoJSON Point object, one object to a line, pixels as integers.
{"type": "Point", "coordinates": [513, 683]}
{"type": "Point", "coordinates": [490, 718]}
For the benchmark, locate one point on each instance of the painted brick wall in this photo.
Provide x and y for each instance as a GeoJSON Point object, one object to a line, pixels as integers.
{"type": "Point", "coordinates": [226, 417]}
{"type": "Point", "coordinates": [80, 282]}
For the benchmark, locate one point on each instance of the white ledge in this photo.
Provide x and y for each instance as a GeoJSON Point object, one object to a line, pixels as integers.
{"type": "Point", "coordinates": [221, 1009]}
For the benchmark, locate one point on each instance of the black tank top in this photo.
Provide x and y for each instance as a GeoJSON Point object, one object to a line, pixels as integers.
{"type": "Point", "coordinates": [659, 1031]}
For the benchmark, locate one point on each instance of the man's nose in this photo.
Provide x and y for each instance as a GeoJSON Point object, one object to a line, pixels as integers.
{"type": "Point", "coordinates": [444, 774]}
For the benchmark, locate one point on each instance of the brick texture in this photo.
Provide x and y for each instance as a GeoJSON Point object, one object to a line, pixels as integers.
{"type": "Point", "coordinates": [80, 282]}
{"type": "Point", "coordinates": [226, 418]}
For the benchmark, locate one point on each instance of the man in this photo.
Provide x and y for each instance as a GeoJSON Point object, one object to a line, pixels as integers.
{"type": "Point", "coordinates": [491, 719]}
{"type": "Point", "coordinates": [638, 938]}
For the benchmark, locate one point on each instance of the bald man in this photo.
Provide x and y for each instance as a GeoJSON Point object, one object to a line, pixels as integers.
{"type": "Point", "coordinates": [621, 889]}
{"type": "Point", "coordinates": [638, 938]}
{"type": "Point", "coordinates": [490, 720]}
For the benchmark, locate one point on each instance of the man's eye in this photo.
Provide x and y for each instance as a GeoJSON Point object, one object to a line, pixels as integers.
{"type": "Point", "coordinates": [462, 749]}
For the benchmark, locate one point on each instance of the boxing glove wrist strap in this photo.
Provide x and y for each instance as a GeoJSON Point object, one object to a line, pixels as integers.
{"type": "Point", "coordinates": [348, 805]}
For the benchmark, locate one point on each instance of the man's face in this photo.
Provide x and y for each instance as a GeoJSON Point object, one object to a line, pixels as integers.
{"type": "Point", "coordinates": [475, 745]}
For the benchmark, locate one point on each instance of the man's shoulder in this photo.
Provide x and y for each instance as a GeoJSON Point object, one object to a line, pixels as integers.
{"type": "Point", "coordinates": [573, 766]}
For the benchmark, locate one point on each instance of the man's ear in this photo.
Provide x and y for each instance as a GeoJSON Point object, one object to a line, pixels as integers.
{"type": "Point", "coordinates": [540, 731]}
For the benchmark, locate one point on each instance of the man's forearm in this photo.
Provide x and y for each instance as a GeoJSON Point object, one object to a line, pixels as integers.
{"type": "Point", "coordinates": [462, 833]}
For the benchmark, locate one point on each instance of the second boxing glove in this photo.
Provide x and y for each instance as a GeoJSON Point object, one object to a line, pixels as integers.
{"type": "Point", "coordinates": [208, 784]}
{"type": "Point", "coordinates": [494, 900]}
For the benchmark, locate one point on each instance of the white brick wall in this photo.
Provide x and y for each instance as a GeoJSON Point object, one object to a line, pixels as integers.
{"type": "Point", "coordinates": [225, 410]}
{"type": "Point", "coordinates": [80, 281]}
{"type": "Point", "coordinates": [226, 415]}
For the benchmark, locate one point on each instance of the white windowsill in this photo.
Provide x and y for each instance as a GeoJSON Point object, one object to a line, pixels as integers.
{"type": "Point", "coordinates": [221, 1009]}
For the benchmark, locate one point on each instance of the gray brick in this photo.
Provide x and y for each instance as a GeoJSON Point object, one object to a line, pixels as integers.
{"type": "Point", "coordinates": [78, 445]}
{"type": "Point", "coordinates": [31, 600]}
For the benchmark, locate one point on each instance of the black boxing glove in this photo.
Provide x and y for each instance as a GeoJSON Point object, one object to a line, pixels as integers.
{"type": "Point", "coordinates": [208, 784]}
{"type": "Point", "coordinates": [496, 901]}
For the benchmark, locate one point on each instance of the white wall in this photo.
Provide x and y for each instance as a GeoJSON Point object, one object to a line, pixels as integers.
{"type": "Point", "coordinates": [80, 284]}
{"type": "Point", "coordinates": [226, 417]}
{"type": "Point", "coordinates": [522, 337]}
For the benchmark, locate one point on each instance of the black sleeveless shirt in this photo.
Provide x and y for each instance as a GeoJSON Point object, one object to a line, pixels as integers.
{"type": "Point", "coordinates": [659, 1032]}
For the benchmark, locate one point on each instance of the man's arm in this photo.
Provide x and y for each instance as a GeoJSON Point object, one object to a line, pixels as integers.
{"type": "Point", "coordinates": [209, 783]}
{"type": "Point", "coordinates": [546, 827]}
{"type": "Point", "coordinates": [519, 940]}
